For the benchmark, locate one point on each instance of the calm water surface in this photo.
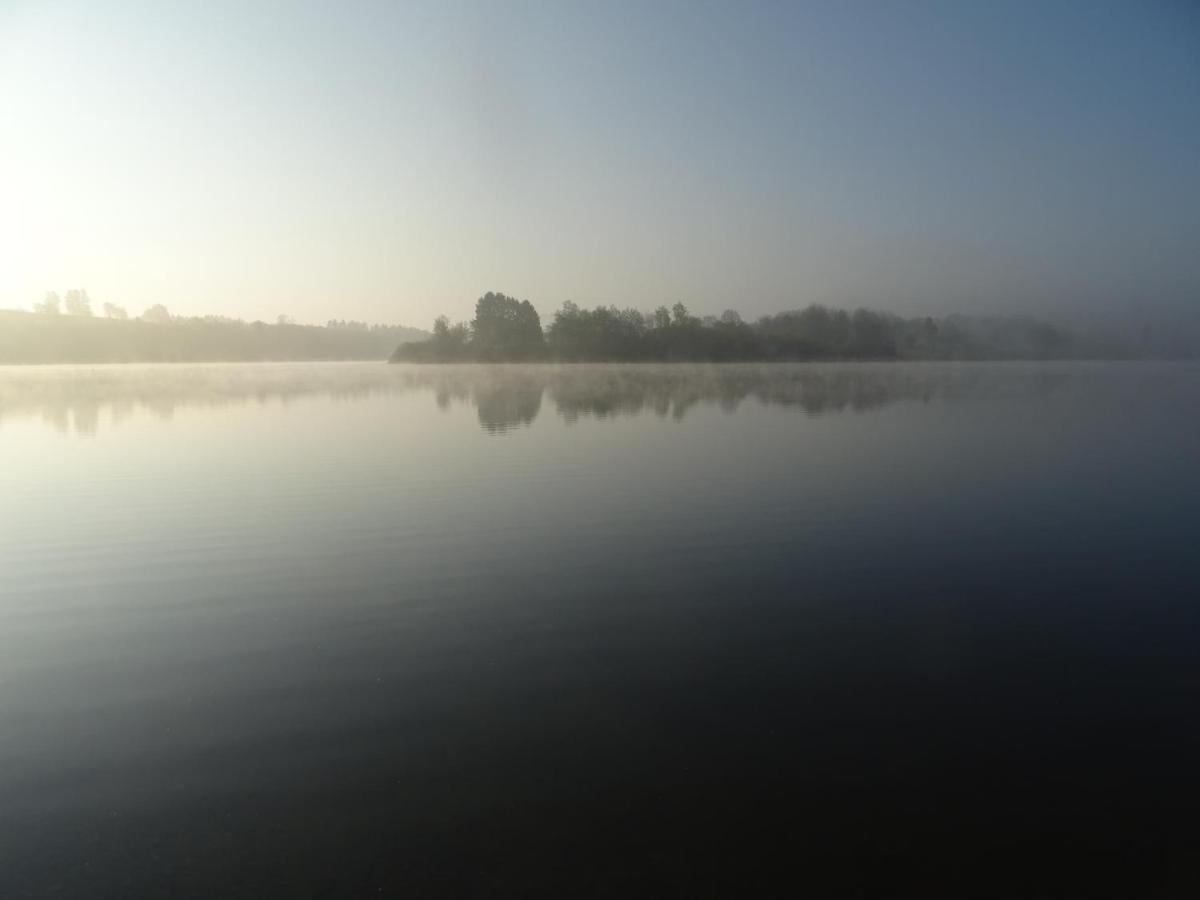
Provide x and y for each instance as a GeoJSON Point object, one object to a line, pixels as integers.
{"type": "Point", "coordinates": [351, 630]}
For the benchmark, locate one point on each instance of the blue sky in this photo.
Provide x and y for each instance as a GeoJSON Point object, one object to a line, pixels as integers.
{"type": "Point", "coordinates": [392, 161]}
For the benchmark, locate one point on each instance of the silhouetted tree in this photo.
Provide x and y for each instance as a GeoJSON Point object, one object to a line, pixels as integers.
{"type": "Point", "coordinates": [451, 341]}
{"type": "Point", "coordinates": [50, 305]}
{"type": "Point", "coordinates": [78, 303]}
{"type": "Point", "coordinates": [506, 329]}
{"type": "Point", "coordinates": [112, 311]}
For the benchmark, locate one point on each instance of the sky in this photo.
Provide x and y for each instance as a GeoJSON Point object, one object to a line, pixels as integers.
{"type": "Point", "coordinates": [389, 162]}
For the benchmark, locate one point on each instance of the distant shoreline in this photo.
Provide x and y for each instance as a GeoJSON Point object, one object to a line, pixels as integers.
{"type": "Point", "coordinates": [505, 329]}
{"type": "Point", "coordinates": [582, 364]}
{"type": "Point", "coordinates": [57, 339]}
{"type": "Point", "coordinates": [508, 331]}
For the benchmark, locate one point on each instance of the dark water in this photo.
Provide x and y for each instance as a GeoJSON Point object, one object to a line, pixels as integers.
{"type": "Point", "coordinates": [356, 630]}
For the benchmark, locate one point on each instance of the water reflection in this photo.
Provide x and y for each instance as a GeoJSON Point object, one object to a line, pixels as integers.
{"type": "Point", "coordinates": [78, 399]}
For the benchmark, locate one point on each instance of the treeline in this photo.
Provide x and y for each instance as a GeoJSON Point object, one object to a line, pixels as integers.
{"type": "Point", "coordinates": [52, 336]}
{"type": "Point", "coordinates": [508, 330]}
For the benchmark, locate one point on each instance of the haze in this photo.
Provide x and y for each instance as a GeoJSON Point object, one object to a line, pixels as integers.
{"type": "Point", "coordinates": [390, 162]}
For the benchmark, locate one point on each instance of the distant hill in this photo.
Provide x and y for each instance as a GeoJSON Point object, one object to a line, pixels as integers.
{"type": "Point", "coordinates": [45, 338]}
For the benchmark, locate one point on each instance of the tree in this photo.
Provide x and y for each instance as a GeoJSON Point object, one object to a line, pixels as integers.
{"type": "Point", "coordinates": [112, 311]}
{"type": "Point", "coordinates": [450, 341]}
{"type": "Point", "coordinates": [285, 320]}
{"type": "Point", "coordinates": [157, 314]}
{"type": "Point", "coordinates": [50, 306]}
{"type": "Point", "coordinates": [78, 303]}
{"type": "Point", "coordinates": [505, 328]}
{"type": "Point", "coordinates": [603, 333]}
{"type": "Point", "coordinates": [871, 335]}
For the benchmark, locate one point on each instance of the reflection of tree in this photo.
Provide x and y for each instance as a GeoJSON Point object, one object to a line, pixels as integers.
{"type": "Point", "coordinates": [510, 396]}
{"type": "Point", "coordinates": [86, 417]}
{"type": "Point", "coordinates": [507, 406]}
{"type": "Point", "coordinates": [814, 389]}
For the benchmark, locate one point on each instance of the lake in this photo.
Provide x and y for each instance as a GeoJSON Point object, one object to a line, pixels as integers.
{"type": "Point", "coordinates": [346, 630]}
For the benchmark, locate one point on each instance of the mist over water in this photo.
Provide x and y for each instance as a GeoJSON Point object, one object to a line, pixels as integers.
{"type": "Point", "coordinates": [465, 631]}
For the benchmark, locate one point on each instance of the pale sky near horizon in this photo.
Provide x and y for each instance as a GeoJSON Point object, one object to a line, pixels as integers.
{"type": "Point", "coordinates": [390, 162]}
